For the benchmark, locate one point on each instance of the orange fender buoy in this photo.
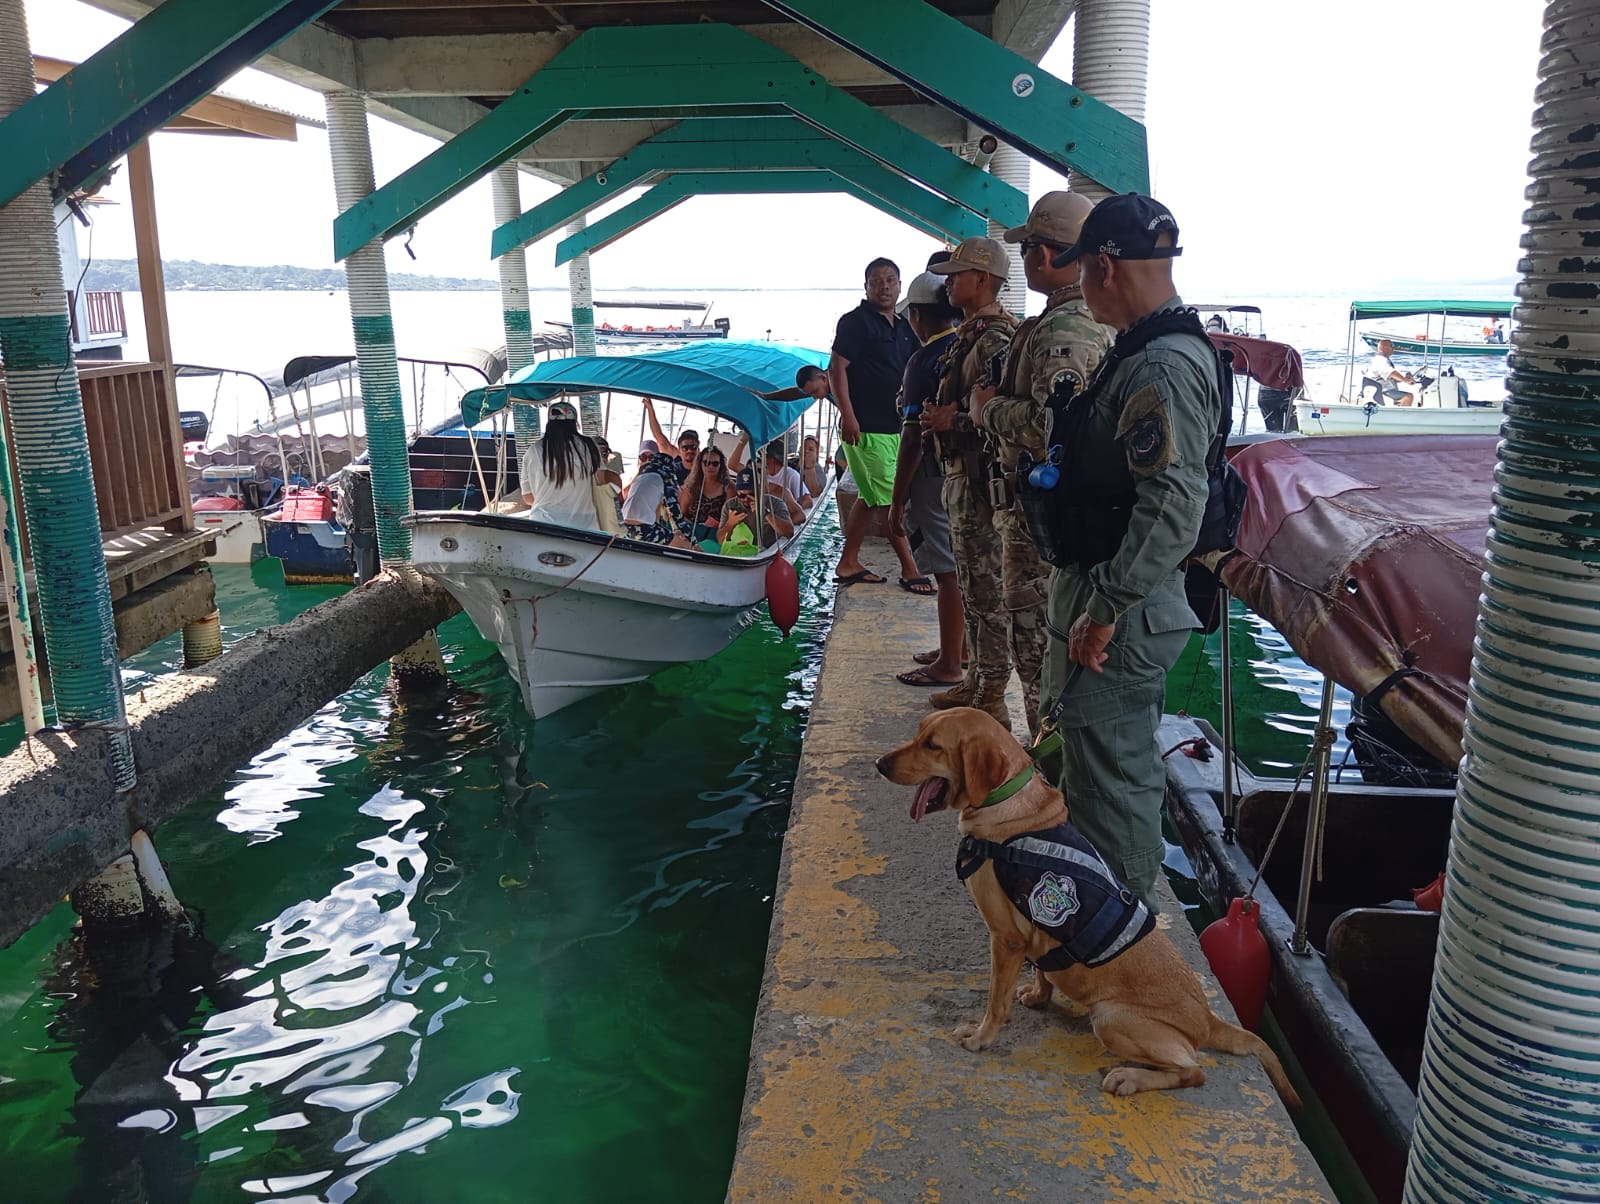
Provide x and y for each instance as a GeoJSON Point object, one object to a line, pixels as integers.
{"type": "Point", "coordinates": [1238, 955]}
{"type": "Point", "coordinates": [1430, 897]}
{"type": "Point", "coordinates": [783, 594]}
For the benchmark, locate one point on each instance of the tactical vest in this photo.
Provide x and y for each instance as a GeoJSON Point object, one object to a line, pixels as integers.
{"type": "Point", "coordinates": [966, 447]}
{"type": "Point", "coordinates": [1094, 501]}
{"type": "Point", "coordinates": [1059, 881]}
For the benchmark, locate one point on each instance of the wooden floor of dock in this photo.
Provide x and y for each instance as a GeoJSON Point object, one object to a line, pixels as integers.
{"type": "Point", "coordinates": [856, 1089]}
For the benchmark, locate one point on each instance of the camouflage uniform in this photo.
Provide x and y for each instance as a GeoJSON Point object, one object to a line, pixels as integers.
{"type": "Point", "coordinates": [1151, 425]}
{"type": "Point", "coordinates": [973, 535]}
{"type": "Point", "coordinates": [1064, 338]}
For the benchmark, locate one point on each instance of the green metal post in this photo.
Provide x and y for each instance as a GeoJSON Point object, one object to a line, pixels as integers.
{"type": "Point", "coordinates": [514, 302]}
{"type": "Point", "coordinates": [368, 282]}
{"type": "Point", "coordinates": [992, 87]}
{"type": "Point", "coordinates": [52, 444]}
{"type": "Point", "coordinates": [165, 62]}
{"type": "Point", "coordinates": [591, 419]}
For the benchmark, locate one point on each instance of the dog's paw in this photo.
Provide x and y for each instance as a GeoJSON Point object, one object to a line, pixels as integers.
{"type": "Point", "coordinates": [1036, 995]}
{"type": "Point", "coordinates": [968, 1036]}
{"type": "Point", "coordinates": [1120, 1080]}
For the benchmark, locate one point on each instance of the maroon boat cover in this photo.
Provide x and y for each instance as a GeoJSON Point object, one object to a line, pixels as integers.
{"type": "Point", "coordinates": [1366, 552]}
{"type": "Point", "coordinates": [1273, 365]}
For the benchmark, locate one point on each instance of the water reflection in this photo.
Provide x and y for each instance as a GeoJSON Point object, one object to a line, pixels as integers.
{"type": "Point", "coordinates": [336, 1014]}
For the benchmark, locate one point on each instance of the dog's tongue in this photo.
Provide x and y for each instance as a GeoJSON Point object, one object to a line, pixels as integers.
{"type": "Point", "coordinates": [925, 795]}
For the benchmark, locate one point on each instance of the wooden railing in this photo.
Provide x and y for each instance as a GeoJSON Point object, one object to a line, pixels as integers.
{"type": "Point", "coordinates": [135, 447]}
{"type": "Point", "coordinates": [103, 313]}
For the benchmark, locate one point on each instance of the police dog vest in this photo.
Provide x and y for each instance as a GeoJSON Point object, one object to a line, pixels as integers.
{"type": "Point", "coordinates": [1059, 881]}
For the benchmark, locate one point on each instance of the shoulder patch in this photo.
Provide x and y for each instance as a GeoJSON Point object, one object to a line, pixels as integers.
{"type": "Point", "coordinates": [1145, 432]}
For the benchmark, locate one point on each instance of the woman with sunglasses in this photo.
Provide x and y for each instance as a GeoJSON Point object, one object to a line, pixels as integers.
{"type": "Point", "coordinates": [702, 496]}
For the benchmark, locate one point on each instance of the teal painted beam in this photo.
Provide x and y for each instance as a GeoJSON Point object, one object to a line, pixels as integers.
{"type": "Point", "coordinates": [118, 96]}
{"type": "Point", "coordinates": [955, 66]}
{"type": "Point", "coordinates": [661, 69]}
{"type": "Point", "coordinates": [712, 144]}
{"type": "Point", "coordinates": [674, 190]}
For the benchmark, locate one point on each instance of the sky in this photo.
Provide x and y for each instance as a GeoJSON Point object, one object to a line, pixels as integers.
{"type": "Point", "coordinates": [1304, 148]}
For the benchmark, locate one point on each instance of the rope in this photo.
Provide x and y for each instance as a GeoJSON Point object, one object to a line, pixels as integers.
{"type": "Point", "coordinates": [1323, 738]}
{"type": "Point", "coordinates": [535, 599]}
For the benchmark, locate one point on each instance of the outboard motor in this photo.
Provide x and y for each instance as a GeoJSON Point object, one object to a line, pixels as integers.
{"type": "Point", "coordinates": [359, 519]}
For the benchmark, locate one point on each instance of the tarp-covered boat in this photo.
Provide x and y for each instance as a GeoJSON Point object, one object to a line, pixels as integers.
{"type": "Point", "coordinates": [1366, 552]}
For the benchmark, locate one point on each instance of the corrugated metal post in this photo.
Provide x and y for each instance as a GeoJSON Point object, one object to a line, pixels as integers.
{"type": "Point", "coordinates": [514, 301]}
{"type": "Point", "coordinates": [1506, 1105]}
{"type": "Point", "coordinates": [1011, 165]}
{"type": "Point", "coordinates": [368, 282]}
{"type": "Point", "coordinates": [1110, 61]}
{"type": "Point", "coordinates": [590, 417]}
{"type": "Point", "coordinates": [52, 444]}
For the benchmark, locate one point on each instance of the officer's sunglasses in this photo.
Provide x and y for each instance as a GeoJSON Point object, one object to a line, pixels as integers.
{"type": "Point", "coordinates": [1028, 244]}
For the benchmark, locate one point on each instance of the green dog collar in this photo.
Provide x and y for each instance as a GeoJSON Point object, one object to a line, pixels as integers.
{"type": "Point", "coordinates": [1007, 788]}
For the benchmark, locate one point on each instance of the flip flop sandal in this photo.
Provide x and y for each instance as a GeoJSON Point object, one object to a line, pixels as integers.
{"type": "Point", "coordinates": [866, 576]}
{"type": "Point", "coordinates": [927, 658]}
{"type": "Point", "coordinates": [920, 586]}
{"type": "Point", "coordinates": [921, 677]}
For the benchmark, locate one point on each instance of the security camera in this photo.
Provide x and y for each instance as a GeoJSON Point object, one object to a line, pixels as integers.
{"type": "Point", "coordinates": [988, 144]}
{"type": "Point", "coordinates": [600, 178]}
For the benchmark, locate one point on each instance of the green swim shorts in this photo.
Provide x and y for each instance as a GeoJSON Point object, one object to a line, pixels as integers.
{"type": "Point", "coordinates": [872, 464]}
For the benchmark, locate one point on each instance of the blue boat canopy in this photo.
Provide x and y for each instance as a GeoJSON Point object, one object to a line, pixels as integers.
{"type": "Point", "coordinates": [719, 376]}
{"type": "Point", "coordinates": [1406, 309]}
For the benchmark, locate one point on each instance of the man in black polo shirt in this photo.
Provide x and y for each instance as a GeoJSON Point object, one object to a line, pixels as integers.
{"type": "Point", "coordinates": [870, 350]}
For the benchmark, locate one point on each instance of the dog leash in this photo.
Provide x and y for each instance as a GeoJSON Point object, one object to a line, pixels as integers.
{"type": "Point", "coordinates": [1049, 738]}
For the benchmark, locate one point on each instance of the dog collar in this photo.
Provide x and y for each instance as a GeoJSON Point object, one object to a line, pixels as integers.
{"type": "Point", "coordinates": [1007, 788]}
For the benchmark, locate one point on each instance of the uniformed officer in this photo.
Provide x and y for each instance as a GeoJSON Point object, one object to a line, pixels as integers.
{"type": "Point", "coordinates": [974, 273]}
{"type": "Point", "coordinates": [1063, 341]}
{"type": "Point", "coordinates": [1139, 462]}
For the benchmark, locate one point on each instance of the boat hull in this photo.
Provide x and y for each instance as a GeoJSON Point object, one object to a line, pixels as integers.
{"type": "Point", "coordinates": [313, 552]}
{"type": "Point", "coordinates": [1347, 418]}
{"type": "Point", "coordinates": [1351, 1066]}
{"type": "Point", "coordinates": [237, 534]}
{"type": "Point", "coordinates": [1439, 346]}
{"type": "Point", "coordinates": [573, 612]}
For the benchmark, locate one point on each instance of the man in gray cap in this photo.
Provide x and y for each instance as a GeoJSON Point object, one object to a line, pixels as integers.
{"type": "Point", "coordinates": [974, 276]}
{"type": "Point", "coordinates": [1130, 501]}
{"type": "Point", "coordinates": [1064, 342]}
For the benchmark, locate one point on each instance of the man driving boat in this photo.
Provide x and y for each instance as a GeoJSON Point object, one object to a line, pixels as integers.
{"type": "Point", "coordinates": [1387, 377]}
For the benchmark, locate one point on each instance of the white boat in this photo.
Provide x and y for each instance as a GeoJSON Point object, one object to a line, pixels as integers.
{"type": "Point", "coordinates": [636, 609]}
{"type": "Point", "coordinates": [575, 612]}
{"type": "Point", "coordinates": [1367, 418]}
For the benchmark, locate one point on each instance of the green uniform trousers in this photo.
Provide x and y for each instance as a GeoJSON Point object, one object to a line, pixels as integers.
{"type": "Point", "coordinates": [978, 553]}
{"type": "Point", "coordinates": [1025, 586]}
{"type": "Point", "coordinates": [1112, 774]}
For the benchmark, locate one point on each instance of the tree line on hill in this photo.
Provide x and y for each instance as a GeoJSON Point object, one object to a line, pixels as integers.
{"type": "Point", "coordinates": [122, 275]}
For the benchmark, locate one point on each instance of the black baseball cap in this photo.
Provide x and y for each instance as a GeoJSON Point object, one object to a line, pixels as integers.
{"type": "Point", "coordinates": [1125, 227]}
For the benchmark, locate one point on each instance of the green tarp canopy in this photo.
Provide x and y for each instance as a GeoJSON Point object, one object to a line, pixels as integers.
{"type": "Point", "coordinates": [1404, 309]}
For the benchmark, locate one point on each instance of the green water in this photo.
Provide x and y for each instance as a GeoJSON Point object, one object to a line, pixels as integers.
{"type": "Point", "coordinates": [444, 952]}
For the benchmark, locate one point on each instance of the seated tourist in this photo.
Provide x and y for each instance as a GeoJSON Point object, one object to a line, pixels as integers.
{"type": "Point", "coordinates": [809, 466]}
{"type": "Point", "coordinates": [652, 491]}
{"type": "Point", "coordinates": [702, 495]}
{"type": "Point", "coordinates": [738, 521]}
{"type": "Point", "coordinates": [558, 473]}
{"type": "Point", "coordinates": [777, 472]}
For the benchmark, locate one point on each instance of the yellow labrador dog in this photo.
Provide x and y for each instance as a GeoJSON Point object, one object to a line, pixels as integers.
{"type": "Point", "coordinates": [1047, 897]}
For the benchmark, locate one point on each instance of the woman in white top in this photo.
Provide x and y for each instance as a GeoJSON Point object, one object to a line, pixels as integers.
{"type": "Point", "coordinates": [558, 473]}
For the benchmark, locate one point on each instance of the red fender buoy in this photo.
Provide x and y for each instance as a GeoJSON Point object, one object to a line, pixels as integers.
{"type": "Point", "coordinates": [1238, 955]}
{"type": "Point", "coordinates": [783, 594]}
{"type": "Point", "coordinates": [1430, 897]}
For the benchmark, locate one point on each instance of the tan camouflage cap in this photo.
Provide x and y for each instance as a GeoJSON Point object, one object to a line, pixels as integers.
{"type": "Point", "coordinates": [1056, 217]}
{"type": "Point", "coordinates": [975, 255]}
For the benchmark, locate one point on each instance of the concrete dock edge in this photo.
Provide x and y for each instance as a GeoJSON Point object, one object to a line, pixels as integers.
{"type": "Point", "coordinates": [856, 1089]}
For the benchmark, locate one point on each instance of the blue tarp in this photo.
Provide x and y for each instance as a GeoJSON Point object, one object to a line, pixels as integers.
{"type": "Point", "coordinates": [715, 375]}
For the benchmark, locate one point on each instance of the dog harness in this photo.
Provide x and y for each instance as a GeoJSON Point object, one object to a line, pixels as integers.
{"type": "Point", "coordinates": [1058, 880]}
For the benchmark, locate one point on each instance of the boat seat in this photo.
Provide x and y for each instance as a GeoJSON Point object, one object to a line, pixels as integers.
{"type": "Point", "coordinates": [1375, 385]}
{"type": "Point", "coordinates": [1382, 958]}
{"type": "Point", "coordinates": [228, 472]}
